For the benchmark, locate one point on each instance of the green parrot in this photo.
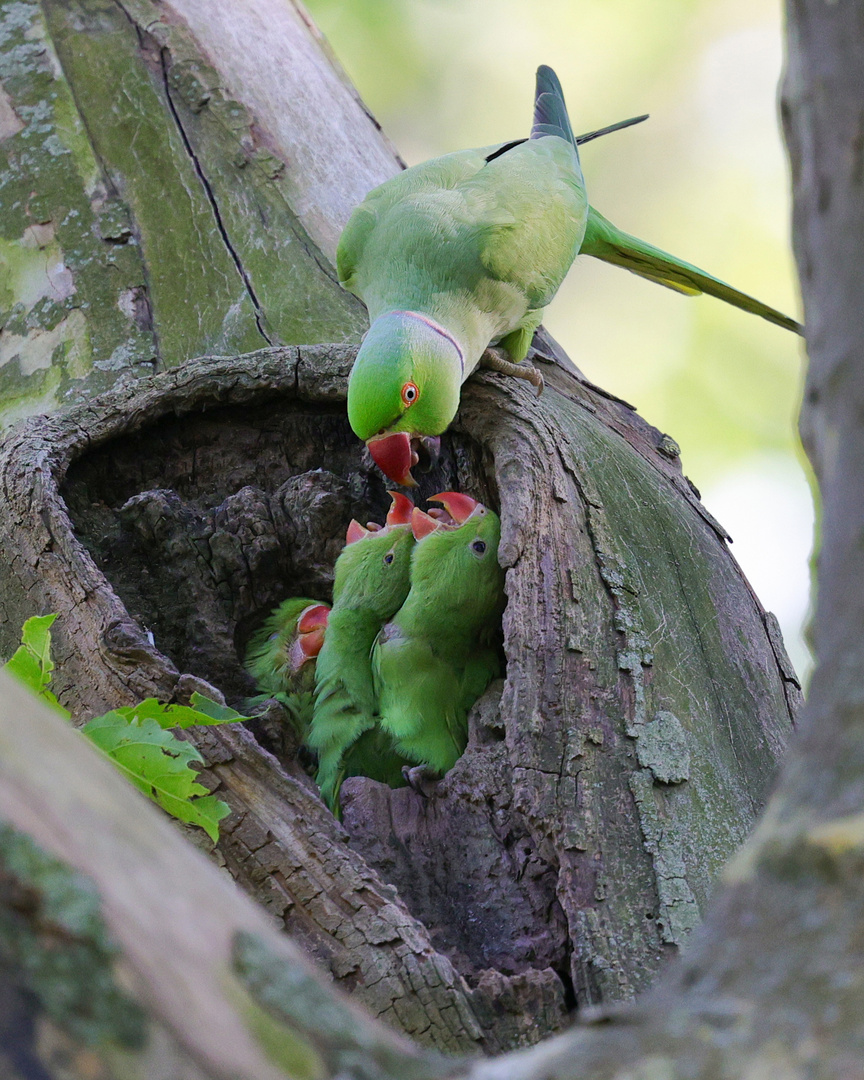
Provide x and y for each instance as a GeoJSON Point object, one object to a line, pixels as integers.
{"type": "Point", "coordinates": [464, 252]}
{"type": "Point", "coordinates": [280, 654]}
{"type": "Point", "coordinates": [438, 655]}
{"type": "Point", "coordinates": [371, 581]}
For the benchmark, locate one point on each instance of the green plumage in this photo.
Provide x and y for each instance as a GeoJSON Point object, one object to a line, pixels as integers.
{"type": "Point", "coordinates": [467, 250]}
{"type": "Point", "coordinates": [269, 661]}
{"type": "Point", "coordinates": [437, 655]}
{"type": "Point", "coordinates": [370, 584]}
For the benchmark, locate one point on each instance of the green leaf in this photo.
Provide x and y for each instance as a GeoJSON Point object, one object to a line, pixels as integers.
{"type": "Point", "coordinates": [136, 738]}
{"type": "Point", "coordinates": [206, 712]}
{"type": "Point", "coordinates": [31, 663]}
{"type": "Point", "coordinates": [157, 763]}
{"type": "Point", "coordinates": [36, 636]}
{"type": "Point", "coordinates": [26, 668]}
{"type": "Point", "coordinates": [218, 714]}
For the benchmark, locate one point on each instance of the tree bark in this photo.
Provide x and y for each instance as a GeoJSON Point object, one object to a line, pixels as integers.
{"type": "Point", "coordinates": [643, 590]}
{"type": "Point", "coordinates": [167, 196]}
{"type": "Point", "coordinates": [576, 843]}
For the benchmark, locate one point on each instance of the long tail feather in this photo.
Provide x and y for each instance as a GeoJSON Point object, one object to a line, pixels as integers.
{"type": "Point", "coordinates": [589, 135]}
{"type": "Point", "coordinates": [604, 241]}
{"type": "Point", "coordinates": [550, 112]}
{"type": "Point", "coordinates": [580, 139]}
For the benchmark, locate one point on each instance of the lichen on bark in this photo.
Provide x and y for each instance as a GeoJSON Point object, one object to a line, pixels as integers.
{"type": "Point", "coordinates": [551, 867]}
{"type": "Point", "coordinates": [145, 218]}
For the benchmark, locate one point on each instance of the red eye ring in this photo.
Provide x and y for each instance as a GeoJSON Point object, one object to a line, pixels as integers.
{"type": "Point", "coordinates": [410, 393]}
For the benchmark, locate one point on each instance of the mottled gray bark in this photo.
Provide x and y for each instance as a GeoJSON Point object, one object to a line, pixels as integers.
{"type": "Point", "coordinates": [617, 583]}
{"type": "Point", "coordinates": [574, 847]}
{"type": "Point", "coordinates": [175, 176]}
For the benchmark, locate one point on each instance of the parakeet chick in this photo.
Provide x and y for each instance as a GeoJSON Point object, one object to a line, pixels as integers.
{"type": "Point", "coordinates": [280, 657]}
{"type": "Point", "coordinates": [465, 251]}
{"type": "Point", "coordinates": [437, 655]}
{"type": "Point", "coordinates": [371, 581]}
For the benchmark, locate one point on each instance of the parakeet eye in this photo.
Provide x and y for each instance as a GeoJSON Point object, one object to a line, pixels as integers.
{"type": "Point", "coordinates": [478, 547]}
{"type": "Point", "coordinates": [410, 393]}
{"type": "Point", "coordinates": [388, 558]}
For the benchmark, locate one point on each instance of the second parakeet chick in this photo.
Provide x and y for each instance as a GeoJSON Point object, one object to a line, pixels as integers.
{"type": "Point", "coordinates": [465, 251]}
{"type": "Point", "coordinates": [437, 655]}
{"type": "Point", "coordinates": [371, 581]}
{"type": "Point", "coordinates": [280, 657]}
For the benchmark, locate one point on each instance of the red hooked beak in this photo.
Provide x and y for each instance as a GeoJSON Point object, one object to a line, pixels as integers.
{"type": "Point", "coordinates": [400, 509]}
{"type": "Point", "coordinates": [394, 456]}
{"type": "Point", "coordinates": [422, 524]}
{"type": "Point", "coordinates": [459, 507]}
{"type": "Point", "coordinates": [310, 635]}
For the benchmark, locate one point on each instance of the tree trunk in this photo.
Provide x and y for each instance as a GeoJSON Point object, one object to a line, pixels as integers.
{"type": "Point", "coordinates": [166, 197]}
{"type": "Point", "coordinates": [645, 702]}
{"type": "Point", "coordinates": [575, 844]}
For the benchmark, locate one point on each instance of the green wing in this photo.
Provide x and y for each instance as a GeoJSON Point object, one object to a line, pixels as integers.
{"type": "Point", "coordinates": [439, 174]}
{"type": "Point", "coordinates": [504, 232]}
{"type": "Point", "coordinates": [344, 697]}
{"type": "Point", "coordinates": [482, 667]}
{"type": "Point", "coordinates": [604, 241]}
{"type": "Point", "coordinates": [528, 212]}
{"type": "Point", "coordinates": [419, 701]}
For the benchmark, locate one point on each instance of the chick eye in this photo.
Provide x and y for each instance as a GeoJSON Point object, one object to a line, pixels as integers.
{"type": "Point", "coordinates": [410, 393]}
{"type": "Point", "coordinates": [478, 547]}
{"type": "Point", "coordinates": [388, 558]}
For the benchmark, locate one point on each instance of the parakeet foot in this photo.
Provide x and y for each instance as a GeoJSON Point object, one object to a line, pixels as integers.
{"type": "Point", "coordinates": [495, 362]}
{"type": "Point", "coordinates": [418, 777]}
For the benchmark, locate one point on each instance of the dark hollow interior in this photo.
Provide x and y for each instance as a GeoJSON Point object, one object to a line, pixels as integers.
{"type": "Point", "coordinates": [202, 524]}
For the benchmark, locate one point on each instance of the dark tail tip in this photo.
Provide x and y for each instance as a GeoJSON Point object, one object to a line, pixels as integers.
{"type": "Point", "coordinates": [550, 111]}
{"type": "Point", "coordinates": [588, 136]}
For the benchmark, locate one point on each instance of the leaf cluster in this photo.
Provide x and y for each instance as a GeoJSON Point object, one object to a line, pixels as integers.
{"type": "Point", "coordinates": [137, 739]}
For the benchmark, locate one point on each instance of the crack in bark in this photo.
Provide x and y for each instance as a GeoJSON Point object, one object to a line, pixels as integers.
{"type": "Point", "coordinates": [260, 317]}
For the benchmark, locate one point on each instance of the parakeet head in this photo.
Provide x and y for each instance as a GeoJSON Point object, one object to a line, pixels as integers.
{"type": "Point", "coordinates": [404, 390]}
{"type": "Point", "coordinates": [457, 555]}
{"type": "Point", "coordinates": [290, 637]}
{"type": "Point", "coordinates": [372, 571]}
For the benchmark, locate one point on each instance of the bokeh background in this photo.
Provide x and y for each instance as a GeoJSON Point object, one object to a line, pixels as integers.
{"type": "Point", "coordinates": [705, 178]}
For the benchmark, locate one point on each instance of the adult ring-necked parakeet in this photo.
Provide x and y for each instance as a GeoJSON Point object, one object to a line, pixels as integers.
{"type": "Point", "coordinates": [465, 251]}
{"type": "Point", "coordinates": [438, 654]}
{"type": "Point", "coordinates": [280, 657]}
{"type": "Point", "coordinates": [371, 581]}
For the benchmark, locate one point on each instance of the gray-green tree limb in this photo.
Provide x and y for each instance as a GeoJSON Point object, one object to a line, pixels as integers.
{"type": "Point", "coordinates": [647, 696]}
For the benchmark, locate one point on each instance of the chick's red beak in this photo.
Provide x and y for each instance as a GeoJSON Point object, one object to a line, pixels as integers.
{"type": "Point", "coordinates": [355, 532]}
{"type": "Point", "coordinates": [310, 635]}
{"type": "Point", "coordinates": [313, 618]}
{"type": "Point", "coordinates": [422, 524]}
{"type": "Point", "coordinates": [460, 507]}
{"type": "Point", "coordinates": [400, 509]}
{"type": "Point", "coordinates": [394, 456]}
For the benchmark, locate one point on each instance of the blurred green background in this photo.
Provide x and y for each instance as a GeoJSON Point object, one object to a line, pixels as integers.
{"type": "Point", "coordinates": [704, 178]}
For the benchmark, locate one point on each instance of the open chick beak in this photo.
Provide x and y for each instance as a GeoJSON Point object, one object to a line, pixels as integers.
{"type": "Point", "coordinates": [422, 524]}
{"type": "Point", "coordinates": [400, 509]}
{"type": "Point", "coordinates": [310, 635]}
{"type": "Point", "coordinates": [460, 507]}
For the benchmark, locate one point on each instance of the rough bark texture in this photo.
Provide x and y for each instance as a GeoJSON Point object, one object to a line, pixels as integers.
{"type": "Point", "coordinates": [157, 204]}
{"type": "Point", "coordinates": [576, 843]}
{"type": "Point", "coordinates": [185, 979]}
{"type": "Point", "coordinates": [126, 956]}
